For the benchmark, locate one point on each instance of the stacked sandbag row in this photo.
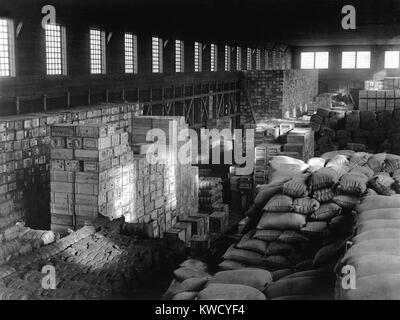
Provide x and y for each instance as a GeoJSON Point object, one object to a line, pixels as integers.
{"type": "Point", "coordinates": [193, 282]}
{"type": "Point", "coordinates": [306, 221]}
{"type": "Point", "coordinates": [370, 268]}
{"type": "Point", "coordinates": [356, 130]}
{"type": "Point", "coordinates": [12, 283]}
{"type": "Point", "coordinates": [91, 263]}
{"type": "Point", "coordinates": [189, 279]}
{"type": "Point", "coordinates": [18, 240]}
{"type": "Point", "coordinates": [210, 193]}
{"type": "Point", "coordinates": [296, 219]}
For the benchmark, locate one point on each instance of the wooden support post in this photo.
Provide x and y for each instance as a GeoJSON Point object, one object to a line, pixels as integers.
{"type": "Point", "coordinates": [44, 102]}
{"type": "Point", "coordinates": [68, 99]}
{"type": "Point", "coordinates": [163, 99]}
{"type": "Point", "coordinates": [88, 97]}
{"type": "Point", "coordinates": [173, 103]}
{"type": "Point", "coordinates": [151, 100]}
{"type": "Point", "coordinates": [17, 105]}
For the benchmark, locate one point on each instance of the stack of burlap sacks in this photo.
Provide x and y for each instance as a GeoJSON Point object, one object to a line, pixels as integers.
{"type": "Point", "coordinates": [356, 130]}
{"type": "Point", "coordinates": [92, 263]}
{"type": "Point", "coordinates": [373, 253]}
{"type": "Point", "coordinates": [18, 240]}
{"type": "Point", "coordinates": [307, 218]}
{"type": "Point", "coordinates": [192, 281]}
{"type": "Point", "coordinates": [304, 225]}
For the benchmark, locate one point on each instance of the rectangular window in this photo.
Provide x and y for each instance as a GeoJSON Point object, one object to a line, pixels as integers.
{"type": "Point", "coordinates": [227, 58]}
{"type": "Point", "coordinates": [266, 60]}
{"type": "Point", "coordinates": [349, 60]}
{"type": "Point", "coordinates": [130, 53]}
{"type": "Point", "coordinates": [238, 58]}
{"type": "Point", "coordinates": [258, 59]}
{"type": "Point", "coordinates": [7, 54]}
{"type": "Point", "coordinates": [363, 60]}
{"type": "Point", "coordinates": [356, 60]}
{"type": "Point", "coordinates": [392, 59]}
{"type": "Point", "coordinates": [214, 57]}
{"type": "Point", "coordinates": [157, 54]}
{"type": "Point", "coordinates": [314, 60]}
{"type": "Point", "coordinates": [97, 51]}
{"type": "Point", "coordinates": [179, 56]}
{"type": "Point", "coordinates": [307, 60]}
{"type": "Point", "coordinates": [249, 58]}
{"type": "Point", "coordinates": [321, 60]}
{"type": "Point", "coordinates": [198, 57]}
{"type": "Point", "coordinates": [56, 63]}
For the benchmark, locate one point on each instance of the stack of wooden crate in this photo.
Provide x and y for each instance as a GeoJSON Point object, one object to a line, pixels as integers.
{"type": "Point", "coordinates": [261, 164]}
{"type": "Point", "coordinates": [391, 83]}
{"type": "Point", "coordinates": [91, 173]}
{"type": "Point", "coordinates": [24, 166]}
{"type": "Point", "coordinates": [211, 203]}
{"type": "Point", "coordinates": [300, 141]}
{"type": "Point", "coordinates": [382, 100]}
{"type": "Point", "coordinates": [374, 85]}
{"type": "Point", "coordinates": [178, 181]}
{"type": "Point", "coordinates": [277, 94]}
{"type": "Point", "coordinates": [25, 152]}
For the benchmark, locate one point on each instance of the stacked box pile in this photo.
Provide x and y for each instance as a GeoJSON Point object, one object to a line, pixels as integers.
{"type": "Point", "coordinates": [356, 130]}
{"type": "Point", "coordinates": [391, 83]}
{"type": "Point", "coordinates": [375, 85]}
{"type": "Point", "coordinates": [25, 152]}
{"type": "Point", "coordinates": [210, 193]}
{"type": "Point", "coordinates": [167, 190]}
{"type": "Point", "coordinates": [155, 203]}
{"type": "Point", "coordinates": [382, 100]}
{"type": "Point", "coordinates": [91, 263]}
{"type": "Point", "coordinates": [184, 178]}
{"type": "Point", "coordinates": [24, 167]}
{"type": "Point", "coordinates": [301, 141]}
{"type": "Point", "coordinates": [91, 173]}
{"type": "Point", "coordinates": [276, 138]}
{"type": "Point", "coordinates": [211, 203]}
{"type": "Point", "coordinates": [277, 94]}
{"type": "Point", "coordinates": [269, 131]}
{"type": "Point", "coordinates": [261, 164]}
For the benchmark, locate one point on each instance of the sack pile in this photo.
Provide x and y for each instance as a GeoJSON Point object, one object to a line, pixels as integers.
{"type": "Point", "coordinates": [210, 193]}
{"type": "Point", "coordinates": [307, 221]}
{"type": "Point", "coordinates": [374, 252]}
{"type": "Point", "coordinates": [189, 279]}
{"type": "Point", "coordinates": [91, 263]}
{"type": "Point", "coordinates": [18, 240]}
{"type": "Point", "coordinates": [193, 282]}
{"type": "Point", "coordinates": [356, 130]}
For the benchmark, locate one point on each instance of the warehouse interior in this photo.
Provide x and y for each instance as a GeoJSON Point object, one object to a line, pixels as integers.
{"type": "Point", "coordinates": [199, 150]}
